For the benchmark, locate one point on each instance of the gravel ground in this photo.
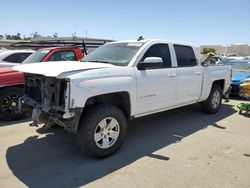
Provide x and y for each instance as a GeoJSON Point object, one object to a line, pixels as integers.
{"type": "Point", "coordinates": [177, 148]}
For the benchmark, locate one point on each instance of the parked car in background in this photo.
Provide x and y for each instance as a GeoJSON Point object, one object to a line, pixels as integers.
{"type": "Point", "coordinates": [65, 53]}
{"type": "Point", "coordinates": [241, 71]}
{"type": "Point", "coordinates": [11, 81]}
{"type": "Point", "coordinates": [229, 59]}
{"type": "Point", "coordinates": [245, 88]}
{"type": "Point", "coordinates": [10, 58]}
{"type": "Point", "coordinates": [216, 59]}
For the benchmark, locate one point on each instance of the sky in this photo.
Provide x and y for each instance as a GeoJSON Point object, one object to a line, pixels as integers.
{"type": "Point", "coordinates": [197, 22]}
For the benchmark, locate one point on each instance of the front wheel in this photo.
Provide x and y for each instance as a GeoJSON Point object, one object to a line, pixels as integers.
{"type": "Point", "coordinates": [101, 131]}
{"type": "Point", "coordinates": [213, 102]}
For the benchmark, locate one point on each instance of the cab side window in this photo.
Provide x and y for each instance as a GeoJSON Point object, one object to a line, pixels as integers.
{"type": "Point", "coordinates": [159, 50]}
{"type": "Point", "coordinates": [185, 56]}
{"type": "Point", "coordinates": [63, 56]}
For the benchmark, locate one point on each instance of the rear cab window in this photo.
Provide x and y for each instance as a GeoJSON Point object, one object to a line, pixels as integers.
{"type": "Point", "coordinates": [185, 56]}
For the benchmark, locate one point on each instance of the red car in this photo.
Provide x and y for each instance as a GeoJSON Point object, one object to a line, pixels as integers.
{"type": "Point", "coordinates": [12, 82]}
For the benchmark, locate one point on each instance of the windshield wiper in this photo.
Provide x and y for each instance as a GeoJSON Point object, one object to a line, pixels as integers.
{"type": "Point", "coordinates": [99, 61]}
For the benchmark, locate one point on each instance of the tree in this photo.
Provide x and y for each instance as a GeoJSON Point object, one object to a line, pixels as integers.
{"type": "Point", "coordinates": [208, 50]}
{"type": "Point", "coordinates": [26, 38]}
{"type": "Point", "coordinates": [1, 36]}
{"type": "Point", "coordinates": [18, 36]}
{"type": "Point", "coordinates": [35, 35]}
{"type": "Point", "coordinates": [13, 37]}
{"type": "Point", "coordinates": [55, 35]}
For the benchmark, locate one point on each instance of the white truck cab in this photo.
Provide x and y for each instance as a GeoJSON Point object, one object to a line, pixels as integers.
{"type": "Point", "coordinates": [119, 81]}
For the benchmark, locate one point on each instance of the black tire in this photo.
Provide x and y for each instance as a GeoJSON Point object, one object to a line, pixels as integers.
{"type": "Point", "coordinates": [7, 110]}
{"type": "Point", "coordinates": [88, 127]}
{"type": "Point", "coordinates": [207, 105]}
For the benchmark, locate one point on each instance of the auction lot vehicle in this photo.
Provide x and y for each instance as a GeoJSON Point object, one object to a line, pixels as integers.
{"type": "Point", "coordinates": [11, 81]}
{"type": "Point", "coordinates": [117, 82]}
{"type": "Point", "coordinates": [245, 88]}
{"type": "Point", "coordinates": [241, 71]}
{"type": "Point", "coordinates": [10, 58]}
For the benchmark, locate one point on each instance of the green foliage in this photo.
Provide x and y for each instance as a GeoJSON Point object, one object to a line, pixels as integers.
{"type": "Point", "coordinates": [13, 37]}
{"type": "Point", "coordinates": [208, 50]}
{"type": "Point", "coordinates": [19, 37]}
{"type": "Point", "coordinates": [35, 35]}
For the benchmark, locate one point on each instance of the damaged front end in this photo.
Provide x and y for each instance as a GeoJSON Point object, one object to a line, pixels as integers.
{"type": "Point", "coordinates": [49, 97]}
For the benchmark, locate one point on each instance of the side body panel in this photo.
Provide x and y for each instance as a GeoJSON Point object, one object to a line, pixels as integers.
{"type": "Point", "coordinates": [213, 73]}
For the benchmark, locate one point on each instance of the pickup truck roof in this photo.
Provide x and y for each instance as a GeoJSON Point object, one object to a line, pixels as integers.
{"type": "Point", "coordinates": [144, 41]}
{"type": "Point", "coordinates": [60, 48]}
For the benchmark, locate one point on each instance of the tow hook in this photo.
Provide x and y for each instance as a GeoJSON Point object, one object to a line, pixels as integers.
{"type": "Point", "coordinates": [68, 115]}
{"type": "Point", "coordinates": [33, 124]}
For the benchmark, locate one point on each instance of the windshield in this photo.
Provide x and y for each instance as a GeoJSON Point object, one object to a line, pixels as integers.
{"type": "Point", "coordinates": [119, 54]}
{"type": "Point", "coordinates": [242, 66]}
{"type": "Point", "coordinates": [36, 57]}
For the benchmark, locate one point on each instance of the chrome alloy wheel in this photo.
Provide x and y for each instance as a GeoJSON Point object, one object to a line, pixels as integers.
{"type": "Point", "coordinates": [216, 99]}
{"type": "Point", "coordinates": [107, 132]}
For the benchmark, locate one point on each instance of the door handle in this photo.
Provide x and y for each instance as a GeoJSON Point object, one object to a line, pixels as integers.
{"type": "Point", "coordinates": [171, 75]}
{"type": "Point", "coordinates": [197, 73]}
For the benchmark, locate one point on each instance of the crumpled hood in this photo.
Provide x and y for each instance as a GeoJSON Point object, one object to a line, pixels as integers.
{"type": "Point", "coordinates": [238, 76]}
{"type": "Point", "coordinates": [55, 68]}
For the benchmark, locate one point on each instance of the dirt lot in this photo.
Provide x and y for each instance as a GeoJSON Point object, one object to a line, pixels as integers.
{"type": "Point", "coordinates": [177, 148]}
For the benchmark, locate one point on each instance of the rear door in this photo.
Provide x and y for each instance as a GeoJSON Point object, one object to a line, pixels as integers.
{"type": "Point", "coordinates": [156, 87]}
{"type": "Point", "coordinates": [189, 75]}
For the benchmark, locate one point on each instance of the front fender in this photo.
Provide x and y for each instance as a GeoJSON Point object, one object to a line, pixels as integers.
{"type": "Point", "coordinates": [99, 82]}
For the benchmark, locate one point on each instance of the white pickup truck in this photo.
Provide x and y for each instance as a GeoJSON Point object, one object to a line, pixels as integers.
{"type": "Point", "coordinates": [117, 82]}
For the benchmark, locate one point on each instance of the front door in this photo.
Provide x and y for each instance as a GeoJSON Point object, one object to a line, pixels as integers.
{"type": "Point", "coordinates": [156, 88]}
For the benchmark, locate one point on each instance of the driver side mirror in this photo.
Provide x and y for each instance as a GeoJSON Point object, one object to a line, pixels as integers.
{"type": "Point", "coordinates": [150, 63]}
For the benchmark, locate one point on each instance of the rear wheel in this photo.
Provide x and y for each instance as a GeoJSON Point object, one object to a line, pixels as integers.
{"type": "Point", "coordinates": [101, 131]}
{"type": "Point", "coordinates": [9, 108]}
{"type": "Point", "coordinates": [213, 102]}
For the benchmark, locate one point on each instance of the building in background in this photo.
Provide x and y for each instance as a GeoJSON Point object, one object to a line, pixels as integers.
{"type": "Point", "coordinates": [239, 49]}
{"type": "Point", "coordinates": [219, 48]}
{"type": "Point", "coordinates": [91, 43]}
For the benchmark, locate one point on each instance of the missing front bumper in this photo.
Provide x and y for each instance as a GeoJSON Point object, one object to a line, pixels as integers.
{"type": "Point", "coordinates": [68, 120]}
